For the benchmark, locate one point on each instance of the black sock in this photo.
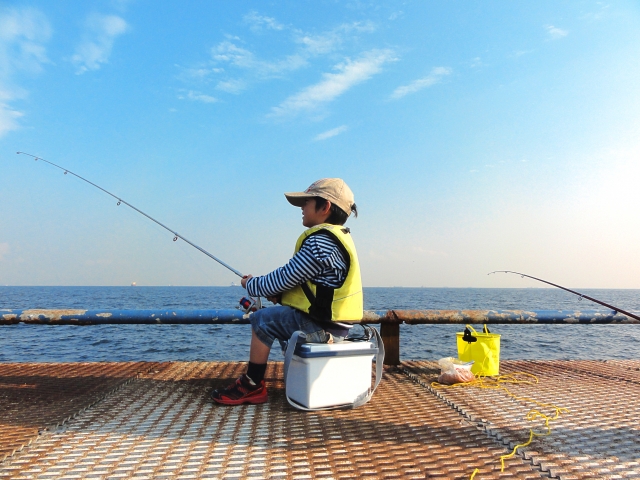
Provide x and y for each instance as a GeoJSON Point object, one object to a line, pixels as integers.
{"type": "Point", "coordinates": [256, 372]}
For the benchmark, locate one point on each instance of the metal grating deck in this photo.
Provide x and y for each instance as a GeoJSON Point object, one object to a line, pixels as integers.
{"type": "Point", "coordinates": [148, 420]}
{"type": "Point", "coordinates": [598, 438]}
{"type": "Point", "coordinates": [34, 396]}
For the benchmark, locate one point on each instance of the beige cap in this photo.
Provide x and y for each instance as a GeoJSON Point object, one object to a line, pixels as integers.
{"type": "Point", "coordinates": [333, 189]}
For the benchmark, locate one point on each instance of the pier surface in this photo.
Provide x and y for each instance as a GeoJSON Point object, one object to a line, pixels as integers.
{"type": "Point", "coordinates": [154, 420]}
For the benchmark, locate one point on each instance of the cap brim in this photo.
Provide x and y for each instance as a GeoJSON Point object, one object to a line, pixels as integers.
{"type": "Point", "coordinates": [297, 199]}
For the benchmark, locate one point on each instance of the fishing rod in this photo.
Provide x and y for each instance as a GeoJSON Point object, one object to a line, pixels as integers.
{"type": "Point", "coordinates": [176, 235]}
{"type": "Point", "coordinates": [581, 295]}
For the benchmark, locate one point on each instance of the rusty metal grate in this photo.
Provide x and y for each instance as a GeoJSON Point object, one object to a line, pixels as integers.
{"type": "Point", "coordinates": [162, 426]}
{"type": "Point", "coordinates": [37, 396]}
{"type": "Point", "coordinates": [598, 438]}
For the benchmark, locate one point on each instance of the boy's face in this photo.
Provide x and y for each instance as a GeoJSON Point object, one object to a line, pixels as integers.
{"type": "Point", "coordinates": [311, 217]}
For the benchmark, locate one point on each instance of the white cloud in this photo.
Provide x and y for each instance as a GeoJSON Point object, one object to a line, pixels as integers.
{"type": "Point", "coordinates": [331, 40]}
{"type": "Point", "coordinates": [4, 250]}
{"type": "Point", "coordinates": [231, 86]}
{"type": "Point", "coordinates": [8, 118]}
{"type": "Point", "coordinates": [23, 33]}
{"type": "Point", "coordinates": [198, 97]}
{"type": "Point", "coordinates": [259, 22]}
{"type": "Point", "coordinates": [197, 73]}
{"type": "Point", "coordinates": [556, 33]}
{"type": "Point", "coordinates": [520, 53]}
{"type": "Point", "coordinates": [333, 85]}
{"type": "Point", "coordinates": [234, 66]}
{"type": "Point", "coordinates": [331, 133]}
{"type": "Point", "coordinates": [358, 27]}
{"type": "Point", "coordinates": [599, 15]}
{"type": "Point", "coordinates": [319, 44]}
{"type": "Point", "coordinates": [434, 77]}
{"type": "Point", "coordinates": [477, 63]}
{"type": "Point", "coordinates": [95, 49]}
{"type": "Point", "coordinates": [228, 52]}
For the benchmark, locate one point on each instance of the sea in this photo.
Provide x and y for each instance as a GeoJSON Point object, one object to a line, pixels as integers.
{"type": "Point", "coordinates": [118, 343]}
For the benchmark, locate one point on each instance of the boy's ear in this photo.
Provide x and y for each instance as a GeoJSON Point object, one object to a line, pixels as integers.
{"type": "Point", "coordinates": [327, 207]}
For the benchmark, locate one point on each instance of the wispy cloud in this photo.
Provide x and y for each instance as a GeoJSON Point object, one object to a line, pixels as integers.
{"type": "Point", "coordinates": [599, 15]}
{"type": "Point", "coordinates": [331, 133]}
{"type": "Point", "coordinates": [8, 118]}
{"type": "Point", "coordinates": [234, 65]}
{"type": "Point", "coordinates": [23, 33]}
{"type": "Point", "coordinates": [230, 53]}
{"type": "Point", "coordinates": [197, 97]}
{"type": "Point", "coordinates": [4, 250]}
{"type": "Point", "coordinates": [232, 86]}
{"type": "Point", "coordinates": [555, 33]}
{"type": "Point", "coordinates": [95, 49]}
{"type": "Point", "coordinates": [477, 63]}
{"type": "Point", "coordinates": [520, 53]}
{"type": "Point", "coordinates": [332, 85]}
{"type": "Point", "coordinates": [257, 22]}
{"type": "Point", "coordinates": [331, 40]}
{"type": "Point", "coordinates": [319, 44]}
{"type": "Point", "coordinates": [434, 77]}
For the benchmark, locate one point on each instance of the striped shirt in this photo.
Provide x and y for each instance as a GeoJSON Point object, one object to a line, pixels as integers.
{"type": "Point", "coordinates": [320, 259]}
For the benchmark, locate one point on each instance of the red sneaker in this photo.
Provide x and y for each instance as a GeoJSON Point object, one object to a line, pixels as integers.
{"type": "Point", "coordinates": [241, 391]}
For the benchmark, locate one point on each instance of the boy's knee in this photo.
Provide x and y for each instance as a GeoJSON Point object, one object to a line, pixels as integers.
{"type": "Point", "coordinates": [261, 336]}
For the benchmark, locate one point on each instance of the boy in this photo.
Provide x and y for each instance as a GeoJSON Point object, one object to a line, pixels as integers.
{"type": "Point", "coordinates": [317, 289]}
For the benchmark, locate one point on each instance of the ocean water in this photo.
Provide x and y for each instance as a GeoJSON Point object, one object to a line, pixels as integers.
{"type": "Point", "coordinates": [44, 343]}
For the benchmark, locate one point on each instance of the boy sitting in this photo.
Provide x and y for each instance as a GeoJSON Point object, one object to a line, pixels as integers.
{"type": "Point", "coordinates": [319, 288]}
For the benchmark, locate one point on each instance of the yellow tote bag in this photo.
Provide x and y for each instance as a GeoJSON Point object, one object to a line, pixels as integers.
{"type": "Point", "coordinates": [482, 348]}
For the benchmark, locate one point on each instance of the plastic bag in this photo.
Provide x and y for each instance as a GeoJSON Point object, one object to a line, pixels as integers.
{"type": "Point", "coordinates": [453, 371]}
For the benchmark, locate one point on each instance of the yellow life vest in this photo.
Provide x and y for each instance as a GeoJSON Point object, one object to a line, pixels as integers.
{"type": "Point", "coordinates": [322, 303]}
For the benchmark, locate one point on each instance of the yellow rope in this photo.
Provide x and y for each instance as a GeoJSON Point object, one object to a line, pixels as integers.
{"type": "Point", "coordinates": [495, 383]}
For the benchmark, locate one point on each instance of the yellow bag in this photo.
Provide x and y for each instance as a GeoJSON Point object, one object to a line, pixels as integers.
{"type": "Point", "coordinates": [482, 348]}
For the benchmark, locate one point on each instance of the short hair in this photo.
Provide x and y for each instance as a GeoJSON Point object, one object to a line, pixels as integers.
{"type": "Point", "coordinates": [337, 216]}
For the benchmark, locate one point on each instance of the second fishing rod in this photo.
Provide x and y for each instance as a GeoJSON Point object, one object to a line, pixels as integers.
{"type": "Point", "coordinates": [176, 235]}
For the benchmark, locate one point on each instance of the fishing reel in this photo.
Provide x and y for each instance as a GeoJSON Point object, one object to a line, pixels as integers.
{"type": "Point", "coordinates": [250, 304]}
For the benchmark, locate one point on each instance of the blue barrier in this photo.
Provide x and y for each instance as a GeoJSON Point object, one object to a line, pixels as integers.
{"type": "Point", "coordinates": [234, 316]}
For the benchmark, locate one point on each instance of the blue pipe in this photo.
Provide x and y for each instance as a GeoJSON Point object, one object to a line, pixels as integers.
{"type": "Point", "coordinates": [233, 316]}
{"type": "Point", "coordinates": [122, 317]}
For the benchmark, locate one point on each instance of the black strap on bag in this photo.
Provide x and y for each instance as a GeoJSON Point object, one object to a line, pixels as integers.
{"type": "Point", "coordinates": [467, 337]}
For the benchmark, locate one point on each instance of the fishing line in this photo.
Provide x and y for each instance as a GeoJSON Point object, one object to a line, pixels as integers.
{"type": "Point", "coordinates": [581, 295]}
{"type": "Point", "coordinates": [176, 235]}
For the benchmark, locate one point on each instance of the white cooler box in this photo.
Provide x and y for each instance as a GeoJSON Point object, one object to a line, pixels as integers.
{"type": "Point", "coordinates": [322, 375]}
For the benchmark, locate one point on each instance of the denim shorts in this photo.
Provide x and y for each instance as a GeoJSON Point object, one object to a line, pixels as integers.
{"type": "Point", "coordinates": [280, 322]}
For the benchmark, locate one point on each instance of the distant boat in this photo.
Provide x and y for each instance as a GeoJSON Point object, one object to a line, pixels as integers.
{"type": "Point", "coordinates": [133, 284]}
{"type": "Point", "coordinates": [233, 284]}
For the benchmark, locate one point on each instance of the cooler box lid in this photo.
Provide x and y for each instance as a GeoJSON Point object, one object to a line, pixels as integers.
{"type": "Point", "coordinates": [340, 349]}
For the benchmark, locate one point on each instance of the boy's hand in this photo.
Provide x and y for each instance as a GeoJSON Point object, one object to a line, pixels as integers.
{"type": "Point", "coordinates": [244, 280]}
{"type": "Point", "coordinates": [275, 299]}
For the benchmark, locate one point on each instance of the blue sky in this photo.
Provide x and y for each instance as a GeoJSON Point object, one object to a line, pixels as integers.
{"type": "Point", "coordinates": [477, 136]}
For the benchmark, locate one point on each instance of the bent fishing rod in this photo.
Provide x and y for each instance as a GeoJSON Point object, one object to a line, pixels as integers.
{"type": "Point", "coordinates": [581, 295]}
{"type": "Point", "coordinates": [176, 235]}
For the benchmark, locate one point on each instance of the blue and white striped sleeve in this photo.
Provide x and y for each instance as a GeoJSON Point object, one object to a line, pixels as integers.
{"type": "Point", "coordinates": [318, 256]}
